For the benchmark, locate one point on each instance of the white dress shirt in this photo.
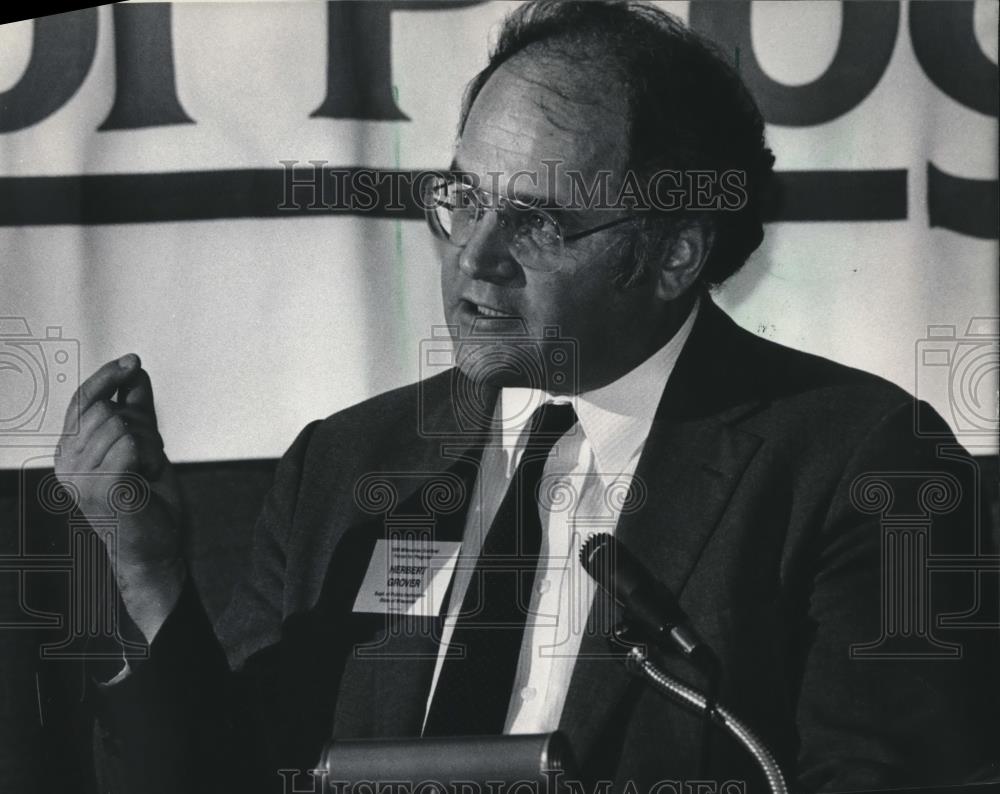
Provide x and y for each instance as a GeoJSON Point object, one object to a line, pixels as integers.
{"type": "Point", "coordinates": [584, 483]}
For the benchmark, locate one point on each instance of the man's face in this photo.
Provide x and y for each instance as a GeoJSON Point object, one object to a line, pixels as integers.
{"type": "Point", "coordinates": [536, 109]}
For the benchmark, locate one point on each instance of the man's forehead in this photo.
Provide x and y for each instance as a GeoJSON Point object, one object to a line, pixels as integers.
{"type": "Point", "coordinates": [535, 111]}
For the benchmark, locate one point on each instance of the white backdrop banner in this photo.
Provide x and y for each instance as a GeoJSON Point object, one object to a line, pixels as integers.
{"type": "Point", "coordinates": [167, 186]}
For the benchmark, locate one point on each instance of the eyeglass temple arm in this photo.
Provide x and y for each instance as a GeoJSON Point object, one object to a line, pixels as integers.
{"type": "Point", "coordinates": [568, 238]}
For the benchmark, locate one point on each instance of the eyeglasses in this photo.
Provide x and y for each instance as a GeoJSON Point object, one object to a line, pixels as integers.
{"type": "Point", "coordinates": [533, 237]}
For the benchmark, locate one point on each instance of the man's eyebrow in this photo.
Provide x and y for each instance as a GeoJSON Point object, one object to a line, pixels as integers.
{"type": "Point", "coordinates": [526, 198]}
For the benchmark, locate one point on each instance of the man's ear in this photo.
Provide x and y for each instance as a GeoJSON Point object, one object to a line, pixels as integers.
{"type": "Point", "coordinates": [682, 261]}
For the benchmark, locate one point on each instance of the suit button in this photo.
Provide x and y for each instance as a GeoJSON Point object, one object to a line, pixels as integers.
{"type": "Point", "coordinates": [528, 693]}
{"type": "Point", "coordinates": [543, 586]}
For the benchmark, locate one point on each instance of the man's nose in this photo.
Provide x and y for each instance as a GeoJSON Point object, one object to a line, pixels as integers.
{"type": "Point", "coordinates": [487, 256]}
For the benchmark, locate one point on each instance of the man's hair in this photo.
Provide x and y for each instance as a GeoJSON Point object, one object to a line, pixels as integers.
{"type": "Point", "coordinates": [688, 109]}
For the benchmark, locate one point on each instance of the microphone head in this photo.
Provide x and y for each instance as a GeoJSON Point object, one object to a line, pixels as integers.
{"type": "Point", "coordinates": [619, 572]}
{"type": "Point", "coordinates": [611, 565]}
{"type": "Point", "coordinates": [648, 605]}
{"type": "Point", "coordinates": [594, 550]}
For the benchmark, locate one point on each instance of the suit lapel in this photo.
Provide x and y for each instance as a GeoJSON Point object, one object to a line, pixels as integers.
{"type": "Point", "coordinates": [404, 662]}
{"type": "Point", "coordinates": [690, 465]}
{"type": "Point", "coordinates": [437, 450]}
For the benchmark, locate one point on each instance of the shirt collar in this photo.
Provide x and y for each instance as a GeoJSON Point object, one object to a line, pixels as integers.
{"type": "Point", "coordinates": [615, 418]}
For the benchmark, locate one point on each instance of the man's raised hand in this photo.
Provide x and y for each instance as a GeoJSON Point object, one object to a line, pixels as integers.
{"type": "Point", "coordinates": [118, 439]}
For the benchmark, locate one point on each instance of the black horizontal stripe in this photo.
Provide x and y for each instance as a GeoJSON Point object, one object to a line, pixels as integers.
{"type": "Point", "coordinates": [91, 199]}
{"type": "Point", "coordinates": [94, 199]}
{"type": "Point", "coordinates": [841, 196]}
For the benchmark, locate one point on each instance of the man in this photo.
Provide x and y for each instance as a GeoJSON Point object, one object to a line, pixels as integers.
{"type": "Point", "coordinates": [745, 465]}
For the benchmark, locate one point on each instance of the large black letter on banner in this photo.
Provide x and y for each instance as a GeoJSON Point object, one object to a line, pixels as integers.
{"type": "Point", "coordinates": [966, 206]}
{"type": "Point", "coordinates": [359, 61]}
{"type": "Point", "coordinates": [61, 54]}
{"type": "Point", "coordinates": [945, 45]}
{"type": "Point", "coordinates": [145, 89]}
{"type": "Point", "coordinates": [867, 39]}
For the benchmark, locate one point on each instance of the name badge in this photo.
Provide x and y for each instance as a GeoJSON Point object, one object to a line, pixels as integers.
{"type": "Point", "coordinates": [408, 577]}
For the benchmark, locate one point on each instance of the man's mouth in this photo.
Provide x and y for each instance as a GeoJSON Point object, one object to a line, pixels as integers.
{"type": "Point", "coordinates": [489, 311]}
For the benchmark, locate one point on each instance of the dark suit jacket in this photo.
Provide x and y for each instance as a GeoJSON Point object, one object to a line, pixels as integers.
{"type": "Point", "coordinates": [772, 481]}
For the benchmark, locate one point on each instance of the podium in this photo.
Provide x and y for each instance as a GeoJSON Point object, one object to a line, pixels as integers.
{"type": "Point", "coordinates": [446, 765]}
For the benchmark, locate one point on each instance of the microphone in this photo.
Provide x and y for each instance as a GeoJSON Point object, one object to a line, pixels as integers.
{"type": "Point", "coordinates": [647, 603]}
{"type": "Point", "coordinates": [652, 608]}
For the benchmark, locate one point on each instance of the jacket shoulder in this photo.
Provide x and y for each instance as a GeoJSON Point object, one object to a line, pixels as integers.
{"type": "Point", "coordinates": [790, 378]}
{"type": "Point", "coordinates": [808, 404]}
{"type": "Point", "coordinates": [385, 418]}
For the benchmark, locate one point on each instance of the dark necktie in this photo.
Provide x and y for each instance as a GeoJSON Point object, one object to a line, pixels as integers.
{"type": "Point", "coordinates": [473, 690]}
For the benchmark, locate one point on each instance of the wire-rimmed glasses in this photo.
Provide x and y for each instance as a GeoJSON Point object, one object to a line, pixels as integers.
{"type": "Point", "coordinates": [532, 235]}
